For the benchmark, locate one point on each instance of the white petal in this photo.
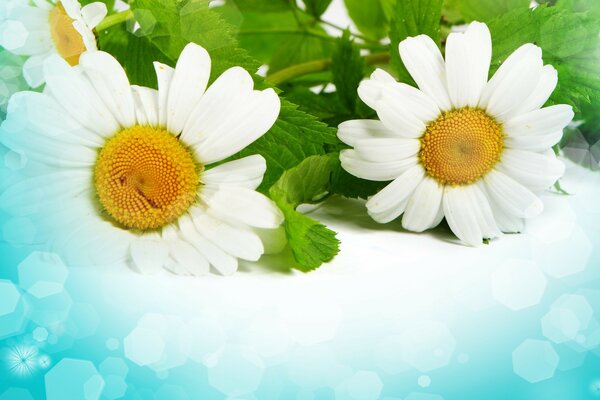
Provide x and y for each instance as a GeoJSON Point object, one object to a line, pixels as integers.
{"type": "Point", "coordinates": [245, 172]}
{"type": "Point", "coordinates": [506, 222]}
{"type": "Point", "coordinates": [542, 91]}
{"type": "Point", "coordinates": [514, 81]}
{"type": "Point", "coordinates": [369, 90]}
{"type": "Point", "coordinates": [460, 211]}
{"type": "Point", "coordinates": [219, 259]}
{"type": "Point", "coordinates": [35, 194]}
{"type": "Point", "coordinates": [237, 241]}
{"type": "Point", "coordinates": [93, 14]}
{"type": "Point", "coordinates": [33, 70]}
{"type": "Point", "coordinates": [374, 171]}
{"type": "Point", "coordinates": [423, 206]}
{"type": "Point", "coordinates": [239, 126]}
{"type": "Point", "coordinates": [387, 149]}
{"type": "Point", "coordinates": [111, 83]}
{"type": "Point", "coordinates": [391, 201]}
{"type": "Point", "coordinates": [415, 101]}
{"type": "Point", "coordinates": [146, 105]}
{"type": "Point", "coordinates": [75, 93]}
{"type": "Point", "coordinates": [538, 130]}
{"type": "Point", "coordinates": [72, 8]}
{"type": "Point", "coordinates": [533, 170]}
{"type": "Point", "coordinates": [244, 206]}
{"type": "Point", "coordinates": [398, 118]}
{"type": "Point", "coordinates": [164, 75]}
{"type": "Point", "coordinates": [88, 37]}
{"type": "Point", "coordinates": [483, 210]}
{"type": "Point", "coordinates": [468, 57]}
{"type": "Point", "coordinates": [50, 120]}
{"type": "Point", "coordinates": [187, 86]}
{"type": "Point", "coordinates": [514, 198]}
{"type": "Point", "coordinates": [149, 253]}
{"type": "Point", "coordinates": [425, 64]}
{"type": "Point", "coordinates": [189, 260]}
{"type": "Point", "coordinates": [351, 131]}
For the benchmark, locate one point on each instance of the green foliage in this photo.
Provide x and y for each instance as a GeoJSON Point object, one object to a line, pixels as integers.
{"type": "Point", "coordinates": [483, 10]}
{"type": "Point", "coordinates": [311, 242]}
{"type": "Point", "coordinates": [317, 7]}
{"type": "Point", "coordinates": [570, 42]}
{"type": "Point", "coordinates": [371, 17]}
{"type": "Point", "coordinates": [348, 70]}
{"type": "Point", "coordinates": [412, 18]}
{"type": "Point", "coordinates": [129, 49]}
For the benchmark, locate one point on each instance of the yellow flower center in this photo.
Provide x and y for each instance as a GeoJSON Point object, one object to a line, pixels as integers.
{"type": "Point", "coordinates": [68, 42]}
{"type": "Point", "coordinates": [145, 178]}
{"type": "Point", "coordinates": [461, 146]}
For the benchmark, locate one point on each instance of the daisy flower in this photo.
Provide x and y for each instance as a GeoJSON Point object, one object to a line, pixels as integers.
{"type": "Point", "coordinates": [130, 167]}
{"type": "Point", "coordinates": [43, 27]}
{"type": "Point", "coordinates": [459, 147]}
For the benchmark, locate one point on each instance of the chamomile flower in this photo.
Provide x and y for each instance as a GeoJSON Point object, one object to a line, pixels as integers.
{"type": "Point", "coordinates": [41, 28]}
{"type": "Point", "coordinates": [459, 147]}
{"type": "Point", "coordinates": [130, 166]}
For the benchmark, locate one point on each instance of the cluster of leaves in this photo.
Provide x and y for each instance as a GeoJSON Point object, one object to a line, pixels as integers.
{"type": "Point", "coordinates": [318, 66]}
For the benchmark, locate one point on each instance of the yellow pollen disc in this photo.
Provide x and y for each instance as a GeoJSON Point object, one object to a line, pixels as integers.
{"type": "Point", "coordinates": [461, 146]}
{"type": "Point", "coordinates": [67, 40]}
{"type": "Point", "coordinates": [145, 178]}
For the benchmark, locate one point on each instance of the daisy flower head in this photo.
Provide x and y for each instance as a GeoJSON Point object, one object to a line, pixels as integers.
{"type": "Point", "coordinates": [459, 147]}
{"type": "Point", "coordinates": [130, 168]}
{"type": "Point", "coordinates": [40, 28]}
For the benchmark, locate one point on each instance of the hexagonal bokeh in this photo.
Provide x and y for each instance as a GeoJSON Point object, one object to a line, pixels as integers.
{"type": "Point", "coordinates": [518, 284]}
{"type": "Point", "coordinates": [115, 387]}
{"type": "Point", "coordinates": [144, 346]}
{"type": "Point", "coordinates": [316, 367]}
{"type": "Point", "coordinates": [566, 257]}
{"type": "Point", "coordinates": [206, 338]}
{"type": "Point", "coordinates": [160, 342]}
{"type": "Point", "coordinates": [535, 360]}
{"type": "Point", "coordinates": [567, 317]}
{"type": "Point", "coordinates": [15, 393]}
{"type": "Point", "coordinates": [387, 354]}
{"type": "Point", "coordinates": [364, 385]}
{"type": "Point", "coordinates": [42, 274]}
{"type": "Point", "coordinates": [428, 345]}
{"type": "Point", "coordinates": [114, 366]}
{"type": "Point", "coordinates": [12, 310]}
{"type": "Point", "coordinates": [73, 379]}
{"type": "Point", "coordinates": [9, 297]}
{"type": "Point", "coordinates": [244, 364]}
{"type": "Point", "coordinates": [49, 311]}
{"type": "Point", "coordinates": [40, 334]}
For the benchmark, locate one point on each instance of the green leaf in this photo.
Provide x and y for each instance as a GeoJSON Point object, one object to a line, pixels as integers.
{"type": "Point", "coordinates": [135, 53]}
{"type": "Point", "coordinates": [261, 5]}
{"type": "Point", "coordinates": [569, 41]}
{"type": "Point", "coordinates": [317, 7]}
{"type": "Point", "coordinates": [311, 243]}
{"type": "Point", "coordinates": [298, 49]}
{"type": "Point", "coordinates": [348, 70]}
{"type": "Point", "coordinates": [344, 184]}
{"type": "Point", "coordinates": [485, 10]}
{"type": "Point", "coordinates": [412, 18]}
{"type": "Point", "coordinates": [370, 16]}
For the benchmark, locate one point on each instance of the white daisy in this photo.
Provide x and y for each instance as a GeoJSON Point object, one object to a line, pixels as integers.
{"type": "Point", "coordinates": [461, 147]}
{"type": "Point", "coordinates": [129, 165]}
{"type": "Point", "coordinates": [40, 28]}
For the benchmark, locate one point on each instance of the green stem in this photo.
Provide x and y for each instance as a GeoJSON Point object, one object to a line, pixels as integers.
{"type": "Point", "coordinates": [310, 67]}
{"type": "Point", "coordinates": [356, 35]}
{"type": "Point", "coordinates": [114, 19]}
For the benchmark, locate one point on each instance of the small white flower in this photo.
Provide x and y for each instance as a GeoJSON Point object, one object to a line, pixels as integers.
{"type": "Point", "coordinates": [461, 147]}
{"type": "Point", "coordinates": [41, 28]}
{"type": "Point", "coordinates": [129, 163]}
